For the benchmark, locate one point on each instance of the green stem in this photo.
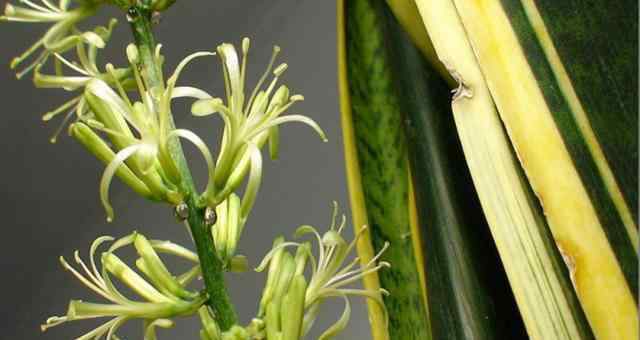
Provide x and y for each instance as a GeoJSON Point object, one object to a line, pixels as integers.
{"type": "Point", "coordinates": [212, 266]}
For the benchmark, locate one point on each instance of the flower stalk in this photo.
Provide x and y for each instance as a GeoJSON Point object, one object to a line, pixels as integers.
{"type": "Point", "coordinates": [211, 265]}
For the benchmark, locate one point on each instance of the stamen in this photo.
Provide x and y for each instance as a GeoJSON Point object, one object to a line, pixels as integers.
{"type": "Point", "coordinates": [133, 56]}
{"type": "Point", "coordinates": [349, 266]}
{"type": "Point", "coordinates": [22, 13]}
{"type": "Point", "coordinates": [12, 19]}
{"type": "Point", "coordinates": [115, 326]}
{"type": "Point", "coordinates": [343, 280]}
{"type": "Point", "coordinates": [92, 251]}
{"type": "Point", "coordinates": [355, 239]}
{"type": "Point", "coordinates": [71, 65]}
{"type": "Point", "coordinates": [287, 119]}
{"type": "Point", "coordinates": [280, 70]}
{"type": "Point", "coordinates": [50, 6]}
{"type": "Point", "coordinates": [84, 60]}
{"type": "Point", "coordinates": [52, 322]}
{"type": "Point", "coordinates": [277, 110]}
{"type": "Point", "coordinates": [243, 69]}
{"type": "Point", "coordinates": [264, 76]}
{"type": "Point", "coordinates": [85, 281]}
{"type": "Point", "coordinates": [334, 215]}
{"type": "Point", "coordinates": [51, 114]}
{"type": "Point", "coordinates": [34, 6]}
{"type": "Point", "coordinates": [108, 174]}
{"type": "Point", "coordinates": [123, 94]}
{"type": "Point", "coordinates": [305, 229]}
{"type": "Point", "coordinates": [157, 51]}
{"type": "Point", "coordinates": [76, 255]}
{"type": "Point", "coordinates": [375, 258]}
{"type": "Point", "coordinates": [37, 62]}
{"type": "Point", "coordinates": [64, 123]}
{"type": "Point", "coordinates": [98, 332]}
{"type": "Point", "coordinates": [272, 85]}
{"type": "Point", "coordinates": [245, 45]}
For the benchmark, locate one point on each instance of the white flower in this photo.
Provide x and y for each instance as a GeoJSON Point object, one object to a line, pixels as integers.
{"type": "Point", "coordinates": [85, 69]}
{"type": "Point", "coordinates": [249, 121]}
{"type": "Point", "coordinates": [141, 130]}
{"type": "Point", "coordinates": [163, 296]}
{"type": "Point", "coordinates": [61, 36]}
{"type": "Point", "coordinates": [287, 287]}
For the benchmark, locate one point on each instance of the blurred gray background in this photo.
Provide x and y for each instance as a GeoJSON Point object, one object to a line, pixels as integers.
{"type": "Point", "coordinates": [49, 196]}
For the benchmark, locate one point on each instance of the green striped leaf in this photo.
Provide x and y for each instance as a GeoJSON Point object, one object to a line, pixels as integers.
{"type": "Point", "coordinates": [537, 276]}
{"type": "Point", "coordinates": [371, 281]}
{"type": "Point", "coordinates": [379, 147]}
{"type": "Point", "coordinates": [468, 293]}
{"type": "Point", "coordinates": [563, 76]}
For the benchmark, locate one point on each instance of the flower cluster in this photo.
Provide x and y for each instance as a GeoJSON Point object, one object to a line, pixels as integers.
{"type": "Point", "coordinates": [62, 36]}
{"type": "Point", "coordinates": [123, 116]}
{"type": "Point", "coordinates": [290, 303]}
{"type": "Point", "coordinates": [288, 308]}
{"type": "Point", "coordinates": [249, 123]}
{"type": "Point", "coordinates": [161, 295]}
{"type": "Point", "coordinates": [139, 133]}
{"type": "Point", "coordinates": [84, 70]}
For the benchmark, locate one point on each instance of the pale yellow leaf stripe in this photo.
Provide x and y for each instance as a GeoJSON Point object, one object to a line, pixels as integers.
{"type": "Point", "coordinates": [356, 196]}
{"type": "Point", "coordinates": [514, 220]}
{"type": "Point", "coordinates": [598, 279]}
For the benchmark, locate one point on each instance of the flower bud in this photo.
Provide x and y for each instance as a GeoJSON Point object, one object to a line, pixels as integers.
{"type": "Point", "coordinates": [94, 144]}
{"type": "Point", "coordinates": [283, 280]}
{"type": "Point", "coordinates": [157, 305]}
{"type": "Point", "coordinates": [211, 331]}
{"type": "Point", "coordinates": [110, 110]}
{"type": "Point", "coordinates": [292, 309]}
{"type": "Point", "coordinates": [274, 271]}
{"type": "Point", "coordinates": [235, 333]}
{"type": "Point", "coordinates": [124, 273]}
{"type": "Point", "coordinates": [157, 271]}
{"type": "Point", "coordinates": [62, 36]}
{"type": "Point", "coordinates": [249, 122]}
{"type": "Point", "coordinates": [290, 305]}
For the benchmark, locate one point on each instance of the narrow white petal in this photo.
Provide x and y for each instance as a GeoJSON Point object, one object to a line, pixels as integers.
{"type": "Point", "coordinates": [108, 174]}
{"type": "Point", "coordinates": [267, 258]}
{"type": "Point", "coordinates": [169, 247]}
{"type": "Point", "coordinates": [92, 251]}
{"type": "Point", "coordinates": [189, 92]}
{"type": "Point", "coordinates": [264, 76]}
{"type": "Point", "coordinates": [149, 330]}
{"type": "Point", "coordinates": [340, 325]}
{"type": "Point", "coordinates": [253, 184]}
{"type": "Point", "coordinates": [111, 335]}
{"type": "Point", "coordinates": [230, 59]}
{"type": "Point", "coordinates": [86, 282]}
{"type": "Point", "coordinates": [193, 138]}
{"type": "Point", "coordinates": [287, 119]}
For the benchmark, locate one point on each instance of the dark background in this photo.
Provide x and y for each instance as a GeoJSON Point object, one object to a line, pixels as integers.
{"type": "Point", "coordinates": [49, 196]}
